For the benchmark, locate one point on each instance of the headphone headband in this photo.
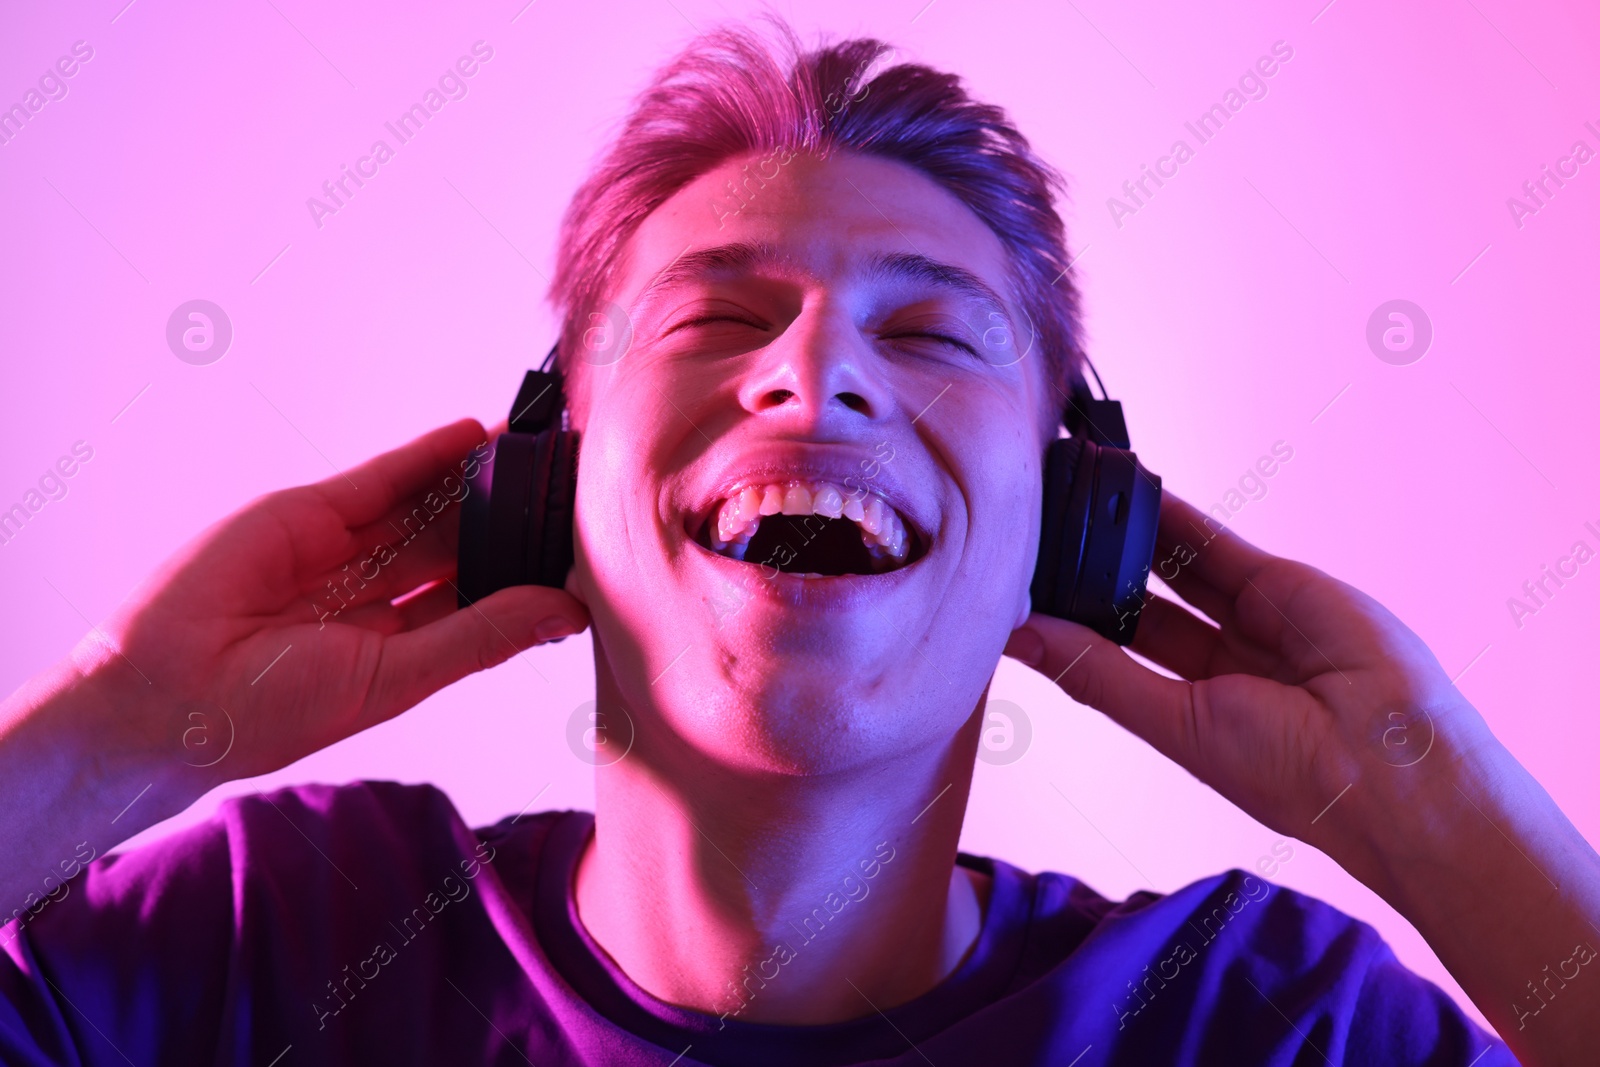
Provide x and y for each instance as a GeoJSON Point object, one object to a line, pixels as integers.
{"type": "Point", "coordinates": [540, 400]}
{"type": "Point", "coordinates": [1101, 421]}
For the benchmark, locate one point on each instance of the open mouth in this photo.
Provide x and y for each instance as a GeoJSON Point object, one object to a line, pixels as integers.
{"type": "Point", "coordinates": [811, 529]}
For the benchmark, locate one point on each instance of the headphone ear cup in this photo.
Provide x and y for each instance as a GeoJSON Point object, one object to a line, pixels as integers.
{"type": "Point", "coordinates": [531, 548]}
{"type": "Point", "coordinates": [1062, 526]}
{"type": "Point", "coordinates": [1119, 545]}
{"type": "Point", "coordinates": [554, 550]}
{"type": "Point", "coordinates": [1097, 537]}
{"type": "Point", "coordinates": [516, 520]}
{"type": "Point", "coordinates": [489, 553]}
{"type": "Point", "coordinates": [547, 546]}
{"type": "Point", "coordinates": [472, 543]}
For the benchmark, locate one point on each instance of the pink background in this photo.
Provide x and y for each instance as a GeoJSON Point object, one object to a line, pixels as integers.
{"type": "Point", "coordinates": [1226, 314]}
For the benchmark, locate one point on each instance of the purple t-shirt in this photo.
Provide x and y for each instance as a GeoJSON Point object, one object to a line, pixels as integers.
{"type": "Point", "coordinates": [367, 923]}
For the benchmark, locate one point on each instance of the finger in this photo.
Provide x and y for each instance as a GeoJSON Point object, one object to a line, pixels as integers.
{"type": "Point", "coordinates": [1222, 559]}
{"type": "Point", "coordinates": [417, 513]}
{"type": "Point", "coordinates": [413, 544]}
{"type": "Point", "coordinates": [1180, 642]}
{"type": "Point", "coordinates": [382, 569]}
{"type": "Point", "coordinates": [1188, 646]}
{"type": "Point", "coordinates": [417, 609]}
{"type": "Point", "coordinates": [417, 663]}
{"type": "Point", "coordinates": [369, 491]}
{"type": "Point", "coordinates": [1179, 522]}
{"type": "Point", "coordinates": [427, 605]}
{"type": "Point", "coordinates": [1095, 671]}
{"type": "Point", "coordinates": [1195, 591]}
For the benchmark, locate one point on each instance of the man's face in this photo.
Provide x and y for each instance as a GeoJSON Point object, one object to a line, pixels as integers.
{"type": "Point", "coordinates": [819, 370]}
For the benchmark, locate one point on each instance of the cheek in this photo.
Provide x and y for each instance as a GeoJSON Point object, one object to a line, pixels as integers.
{"type": "Point", "coordinates": [1017, 508]}
{"type": "Point", "coordinates": [1005, 490]}
{"type": "Point", "coordinates": [610, 564]}
{"type": "Point", "coordinates": [599, 526]}
{"type": "Point", "coordinates": [623, 463]}
{"type": "Point", "coordinates": [1020, 515]}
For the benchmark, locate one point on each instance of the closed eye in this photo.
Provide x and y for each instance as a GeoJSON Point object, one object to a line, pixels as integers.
{"type": "Point", "coordinates": [703, 319]}
{"type": "Point", "coordinates": [941, 337]}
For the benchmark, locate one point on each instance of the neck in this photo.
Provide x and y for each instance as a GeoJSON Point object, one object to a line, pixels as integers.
{"type": "Point", "coordinates": [784, 899]}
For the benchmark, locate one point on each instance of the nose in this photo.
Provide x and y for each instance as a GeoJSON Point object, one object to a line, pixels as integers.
{"type": "Point", "coordinates": [819, 377]}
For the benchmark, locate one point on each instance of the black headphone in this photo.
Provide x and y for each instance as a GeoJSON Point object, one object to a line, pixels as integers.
{"type": "Point", "coordinates": [1096, 542]}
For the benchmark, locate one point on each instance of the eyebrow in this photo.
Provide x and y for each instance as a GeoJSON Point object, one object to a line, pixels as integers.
{"type": "Point", "coordinates": [882, 266]}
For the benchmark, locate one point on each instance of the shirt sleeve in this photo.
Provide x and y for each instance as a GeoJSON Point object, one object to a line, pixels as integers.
{"type": "Point", "coordinates": [1401, 1017]}
{"type": "Point", "coordinates": [221, 943]}
{"type": "Point", "coordinates": [1316, 985]}
{"type": "Point", "coordinates": [128, 963]}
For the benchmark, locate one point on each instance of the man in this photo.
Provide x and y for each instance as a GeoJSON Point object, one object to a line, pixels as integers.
{"type": "Point", "coordinates": [771, 875]}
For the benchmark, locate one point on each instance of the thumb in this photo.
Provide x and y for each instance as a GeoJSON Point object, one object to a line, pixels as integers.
{"type": "Point", "coordinates": [417, 663]}
{"type": "Point", "coordinates": [1096, 671]}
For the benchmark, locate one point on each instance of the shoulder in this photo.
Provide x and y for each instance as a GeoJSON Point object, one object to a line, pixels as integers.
{"type": "Point", "coordinates": [1234, 953]}
{"type": "Point", "coordinates": [360, 817]}
{"type": "Point", "coordinates": [1237, 912]}
{"type": "Point", "coordinates": [237, 921]}
{"type": "Point", "coordinates": [307, 837]}
{"type": "Point", "coordinates": [270, 869]}
{"type": "Point", "coordinates": [363, 801]}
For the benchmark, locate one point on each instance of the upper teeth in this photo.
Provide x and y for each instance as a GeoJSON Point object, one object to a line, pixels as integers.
{"type": "Point", "coordinates": [882, 530]}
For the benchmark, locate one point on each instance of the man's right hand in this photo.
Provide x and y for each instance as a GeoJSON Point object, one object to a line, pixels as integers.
{"type": "Point", "coordinates": [270, 636]}
{"type": "Point", "coordinates": [275, 627]}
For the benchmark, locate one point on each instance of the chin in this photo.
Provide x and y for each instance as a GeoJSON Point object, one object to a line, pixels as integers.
{"type": "Point", "coordinates": [797, 674]}
{"type": "Point", "coordinates": [770, 697]}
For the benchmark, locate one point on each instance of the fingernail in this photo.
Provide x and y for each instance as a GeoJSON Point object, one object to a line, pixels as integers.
{"type": "Point", "coordinates": [553, 628]}
{"type": "Point", "coordinates": [1026, 645]}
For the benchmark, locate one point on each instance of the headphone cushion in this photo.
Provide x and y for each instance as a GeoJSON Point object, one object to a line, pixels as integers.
{"type": "Point", "coordinates": [1060, 530]}
{"type": "Point", "coordinates": [531, 550]}
{"type": "Point", "coordinates": [472, 560]}
{"type": "Point", "coordinates": [516, 522]}
{"type": "Point", "coordinates": [515, 456]}
{"type": "Point", "coordinates": [555, 545]}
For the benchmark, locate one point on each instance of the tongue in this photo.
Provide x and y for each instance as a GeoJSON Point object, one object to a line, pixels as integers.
{"type": "Point", "coordinates": [812, 544]}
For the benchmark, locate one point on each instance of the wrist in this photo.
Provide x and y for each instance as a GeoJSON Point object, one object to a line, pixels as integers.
{"type": "Point", "coordinates": [1448, 839]}
{"type": "Point", "coordinates": [1416, 812]}
{"type": "Point", "coordinates": [1473, 852]}
{"type": "Point", "coordinates": [103, 741]}
{"type": "Point", "coordinates": [82, 769]}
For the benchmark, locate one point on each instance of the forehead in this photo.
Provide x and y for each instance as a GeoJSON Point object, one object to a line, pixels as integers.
{"type": "Point", "coordinates": [850, 216]}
